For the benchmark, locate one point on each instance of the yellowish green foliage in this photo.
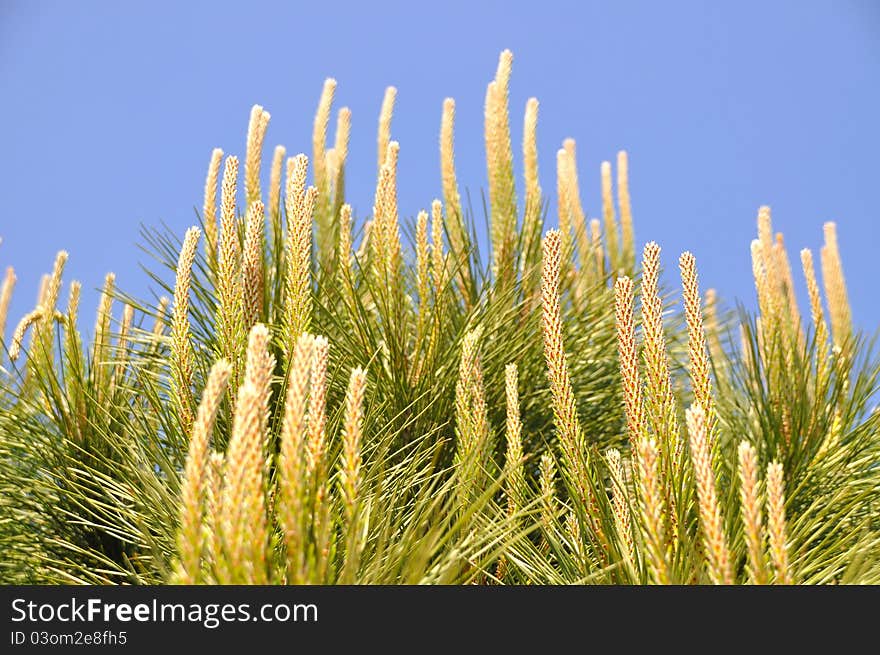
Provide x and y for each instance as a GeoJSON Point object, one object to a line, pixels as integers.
{"type": "Point", "coordinates": [329, 397]}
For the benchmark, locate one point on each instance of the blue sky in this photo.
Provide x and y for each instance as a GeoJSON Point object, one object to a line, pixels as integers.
{"type": "Point", "coordinates": [110, 111]}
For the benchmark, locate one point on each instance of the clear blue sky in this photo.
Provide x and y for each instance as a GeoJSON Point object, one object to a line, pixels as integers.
{"type": "Point", "coordinates": [110, 110]}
